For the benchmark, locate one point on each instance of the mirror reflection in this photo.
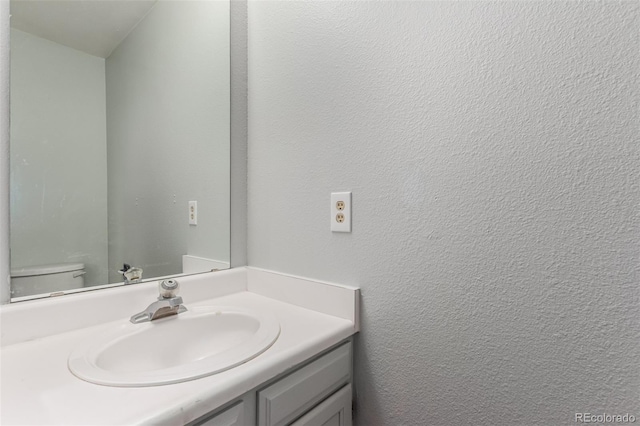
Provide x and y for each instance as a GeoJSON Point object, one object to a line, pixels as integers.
{"type": "Point", "coordinates": [119, 141]}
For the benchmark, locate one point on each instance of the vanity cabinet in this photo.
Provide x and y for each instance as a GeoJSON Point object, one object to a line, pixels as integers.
{"type": "Point", "coordinates": [334, 411]}
{"type": "Point", "coordinates": [316, 393]}
{"type": "Point", "coordinates": [232, 416]}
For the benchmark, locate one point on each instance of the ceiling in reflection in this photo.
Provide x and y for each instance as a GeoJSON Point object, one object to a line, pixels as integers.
{"type": "Point", "coordinates": [95, 27]}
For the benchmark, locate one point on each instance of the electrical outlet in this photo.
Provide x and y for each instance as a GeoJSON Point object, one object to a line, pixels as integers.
{"type": "Point", "coordinates": [193, 213]}
{"type": "Point", "coordinates": [341, 211]}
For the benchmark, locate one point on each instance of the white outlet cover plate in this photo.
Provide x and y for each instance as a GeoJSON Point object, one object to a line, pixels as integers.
{"type": "Point", "coordinates": [346, 225]}
{"type": "Point", "coordinates": [193, 213]}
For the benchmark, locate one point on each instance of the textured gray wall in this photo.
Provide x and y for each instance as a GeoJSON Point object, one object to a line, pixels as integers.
{"type": "Point", "coordinates": [492, 151]}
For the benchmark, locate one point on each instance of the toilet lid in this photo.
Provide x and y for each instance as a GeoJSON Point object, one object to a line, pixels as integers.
{"type": "Point", "coordinates": [58, 268]}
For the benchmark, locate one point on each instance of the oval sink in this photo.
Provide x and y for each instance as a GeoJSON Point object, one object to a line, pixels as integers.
{"type": "Point", "coordinates": [199, 342]}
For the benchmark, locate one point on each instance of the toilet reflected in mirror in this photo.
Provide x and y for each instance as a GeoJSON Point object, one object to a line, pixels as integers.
{"type": "Point", "coordinates": [31, 280]}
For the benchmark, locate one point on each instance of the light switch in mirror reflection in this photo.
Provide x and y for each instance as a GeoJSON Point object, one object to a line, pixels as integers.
{"type": "Point", "coordinates": [112, 134]}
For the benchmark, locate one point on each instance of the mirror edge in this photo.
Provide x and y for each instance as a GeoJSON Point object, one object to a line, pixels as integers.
{"type": "Point", "coordinates": [239, 132]}
{"type": "Point", "coordinates": [4, 153]}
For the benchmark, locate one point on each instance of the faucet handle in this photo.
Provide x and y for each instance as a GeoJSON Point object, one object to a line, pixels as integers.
{"type": "Point", "coordinates": [168, 288]}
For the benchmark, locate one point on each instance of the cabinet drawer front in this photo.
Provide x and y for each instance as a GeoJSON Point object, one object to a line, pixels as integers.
{"type": "Point", "coordinates": [295, 394]}
{"type": "Point", "coordinates": [333, 411]}
{"type": "Point", "coordinates": [232, 416]}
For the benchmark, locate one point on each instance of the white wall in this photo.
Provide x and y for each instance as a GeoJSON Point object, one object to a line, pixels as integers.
{"type": "Point", "coordinates": [58, 156]}
{"type": "Point", "coordinates": [168, 131]}
{"type": "Point", "coordinates": [492, 151]}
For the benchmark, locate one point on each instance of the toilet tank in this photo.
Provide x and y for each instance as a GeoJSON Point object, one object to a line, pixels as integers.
{"type": "Point", "coordinates": [30, 280]}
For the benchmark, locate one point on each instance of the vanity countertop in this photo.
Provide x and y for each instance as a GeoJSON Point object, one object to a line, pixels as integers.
{"type": "Point", "coordinates": [37, 387]}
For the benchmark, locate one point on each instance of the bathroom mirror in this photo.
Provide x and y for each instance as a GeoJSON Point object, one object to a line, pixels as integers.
{"type": "Point", "coordinates": [120, 141]}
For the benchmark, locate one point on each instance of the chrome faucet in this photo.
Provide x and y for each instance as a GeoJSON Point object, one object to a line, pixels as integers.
{"type": "Point", "coordinates": [168, 303]}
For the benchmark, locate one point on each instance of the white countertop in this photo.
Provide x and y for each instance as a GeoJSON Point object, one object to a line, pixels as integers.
{"type": "Point", "coordinates": [38, 389]}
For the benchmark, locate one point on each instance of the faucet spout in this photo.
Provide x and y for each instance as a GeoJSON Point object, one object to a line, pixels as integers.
{"type": "Point", "coordinates": [164, 306]}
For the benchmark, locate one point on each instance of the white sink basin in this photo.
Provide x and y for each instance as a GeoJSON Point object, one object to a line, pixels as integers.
{"type": "Point", "coordinates": [202, 341]}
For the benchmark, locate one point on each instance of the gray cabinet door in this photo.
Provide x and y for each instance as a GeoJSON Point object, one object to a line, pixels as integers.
{"type": "Point", "coordinates": [295, 394]}
{"type": "Point", "coordinates": [334, 411]}
{"type": "Point", "coordinates": [232, 416]}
